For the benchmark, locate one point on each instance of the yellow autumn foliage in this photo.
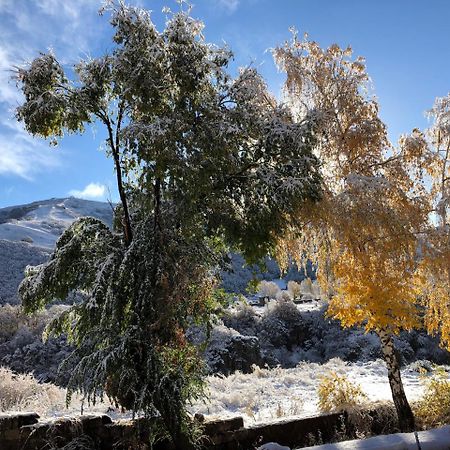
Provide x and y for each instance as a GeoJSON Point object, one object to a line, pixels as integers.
{"type": "Point", "coordinates": [433, 409]}
{"type": "Point", "coordinates": [380, 235]}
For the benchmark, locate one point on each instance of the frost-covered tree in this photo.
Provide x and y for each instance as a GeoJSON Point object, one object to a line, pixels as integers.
{"type": "Point", "coordinates": [294, 289]}
{"type": "Point", "coordinates": [202, 160]}
{"type": "Point", "coordinates": [372, 236]}
{"type": "Point", "coordinates": [268, 289]}
{"type": "Point", "coordinates": [434, 270]}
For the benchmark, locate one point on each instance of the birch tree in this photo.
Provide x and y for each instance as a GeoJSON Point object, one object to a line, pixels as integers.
{"type": "Point", "coordinates": [434, 268]}
{"type": "Point", "coordinates": [371, 234]}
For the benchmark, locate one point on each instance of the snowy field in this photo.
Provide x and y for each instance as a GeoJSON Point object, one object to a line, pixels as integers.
{"type": "Point", "coordinates": [273, 393]}
{"type": "Point", "coordinates": [436, 439]}
{"type": "Point", "coordinates": [268, 394]}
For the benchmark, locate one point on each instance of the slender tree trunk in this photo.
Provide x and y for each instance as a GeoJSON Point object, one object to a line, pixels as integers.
{"type": "Point", "coordinates": [114, 143]}
{"type": "Point", "coordinates": [128, 233]}
{"type": "Point", "coordinates": [405, 415]}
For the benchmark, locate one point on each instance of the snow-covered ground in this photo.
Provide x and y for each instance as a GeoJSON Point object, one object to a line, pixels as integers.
{"type": "Point", "coordinates": [268, 394]}
{"type": "Point", "coordinates": [272, 393]}
{"type": "Point", "coordinates": [436, 439]}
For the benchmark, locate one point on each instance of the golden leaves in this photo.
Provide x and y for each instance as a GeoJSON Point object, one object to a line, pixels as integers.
{"type": "Point", "coordinates": [367, 231]}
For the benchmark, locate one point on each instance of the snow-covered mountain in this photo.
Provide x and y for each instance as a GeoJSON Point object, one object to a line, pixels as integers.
{"type": "Point", "coordinates": [41, 223]}
{"type": "Point", "coordinates": [28, 234]}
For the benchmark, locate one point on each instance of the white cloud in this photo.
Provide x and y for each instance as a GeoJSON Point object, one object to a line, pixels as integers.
{"type": "Point", "coordinates": [69, 29]}
{"type": "Point", "coordinates": [229, 5]}
{"type": "Point", "coordinates": [91, 191]}
{"type": "Point", "coordinates": [23, 156]}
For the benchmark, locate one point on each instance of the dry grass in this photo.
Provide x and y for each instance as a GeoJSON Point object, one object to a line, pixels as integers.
{"type": "Point", "coordinates": [12, 319]}
{"type": "Point", "coordinates": [25, 393]}
{"type": "Point", "coordinates": [433, 409]}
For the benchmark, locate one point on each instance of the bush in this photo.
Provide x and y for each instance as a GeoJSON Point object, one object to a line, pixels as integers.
{"type": "Point", "coordinates": [229, 351]}
{"type": "Point", "coordinates": [268, 289]}
{"type": "Point", "coordinates": [243, 319]}
{"type": "Point", "coordinates": [337, 393]}
{"type": "Point", "coordinates": [433, 409]}
{"type": "Point", "coordinates": [306, 286]}
{"type": "Point", "coordinates": [9, 322]}
{"type": "Point", "coordinates": [284, 296]}
{"type": "Point", "coordinates": [12, 319]}
{"type": "Point", "coordinates": [294, 289]}
{"type": "Point", "coordinates": [24, 392]}
{"type": "Point", "coordinates": [283, 309]}
{"type": "Point", "coordinates": [21, 346]}
{"type": "Point", "coordinates": [282, 324]}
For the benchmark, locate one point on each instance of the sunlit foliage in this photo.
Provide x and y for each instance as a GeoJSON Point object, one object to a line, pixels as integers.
{"type": "Point", "coordinates": [383, 257]}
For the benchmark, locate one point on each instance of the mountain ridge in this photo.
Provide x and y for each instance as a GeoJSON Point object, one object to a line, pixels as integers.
{"type": "Point", "coordinates": [28, 234]}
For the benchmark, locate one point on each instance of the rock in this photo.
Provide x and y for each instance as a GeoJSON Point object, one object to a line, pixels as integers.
{"type": "Point", "coordinates": [214, 427]}
{"type": "Point", "coordinates": [229, 351]}
{"type": "Point", "coordinates": [11, 421]}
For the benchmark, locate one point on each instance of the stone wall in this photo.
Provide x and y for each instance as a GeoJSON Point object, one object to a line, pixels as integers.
{"type": "Point", "coordinates": [25, 431]}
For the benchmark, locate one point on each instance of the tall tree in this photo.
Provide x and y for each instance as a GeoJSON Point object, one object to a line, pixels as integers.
{"type": "Point", "coordinates": [372, 227]}
{"type": "Point", "coordinates": [208, 160]}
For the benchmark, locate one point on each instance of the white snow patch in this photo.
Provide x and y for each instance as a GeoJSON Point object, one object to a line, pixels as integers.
{"type": "Point", "coordinates": [268, 394]}
{"type": "Point", "coordinates": [436, 439]}
{"type": "Point", "coordinates": [273, 446]}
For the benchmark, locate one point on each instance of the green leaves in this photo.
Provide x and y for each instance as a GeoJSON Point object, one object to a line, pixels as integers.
{"type": "Point", "coordinates": [203, 162]}
{"type": "Point", "coordinates": [74, 264]}
{"type": "Point", "coordinates": [49, 107]}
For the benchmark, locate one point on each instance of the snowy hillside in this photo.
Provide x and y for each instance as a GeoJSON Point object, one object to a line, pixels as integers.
{"type": "Point", "coordinates": [41, 223]}
{"type": "Point", "coordinates": [29, 232]}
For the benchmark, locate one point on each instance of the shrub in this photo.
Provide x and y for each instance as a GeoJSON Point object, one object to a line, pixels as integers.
{"type": "Point", "coordinates": [21, 346]}
{"type": "Point", "coordinates": [283, 309]}
{"type": "Point", "coordinates": [315, 289]}
{"type": "Point", "coordinates": [294, 289]}
{"type": "Point", "coordinates": [24, 392]}
{"type": "Point", "coordinates": [337, 393]}
{"type": "Point", "coordinates": [306, 286]}
{"type": "Point", "coordinates": [433, 409]}
{"type": "Point", "coordinates": [243, 319]}
{"type": "Point", "coordinates": [228, 351]}
{"type": "Point", "coordinates": [282, 324]}
{"type": "Point", "coordinates": [284, 296]}
{"type": "Point", "coordinates": [268, 289]}
{"type": "Point", "coordinates": [9, 322]}
{"type": "Point", "coordinates": [12, 319]}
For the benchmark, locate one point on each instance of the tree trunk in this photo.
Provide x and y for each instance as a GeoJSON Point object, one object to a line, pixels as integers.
{"type": "Point", "coordinates": [405, 415]}
{"type": "Point", "coordinates": [114, 145]}
{"type": "Point", "coordinates": [128, 233]}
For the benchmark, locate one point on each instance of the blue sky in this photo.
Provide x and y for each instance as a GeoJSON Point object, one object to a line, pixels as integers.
{"type": "Point", "coordinates": [406, 44]}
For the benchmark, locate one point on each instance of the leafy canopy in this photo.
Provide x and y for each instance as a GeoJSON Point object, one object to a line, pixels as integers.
{"type": "Point", "coordinates": [203, 161]}
{"type": "Point", "coordinates": [374, 228]}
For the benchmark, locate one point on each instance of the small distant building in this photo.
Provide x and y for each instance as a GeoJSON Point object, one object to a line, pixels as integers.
{"type": "Point", "coordinates": [263, 299]}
